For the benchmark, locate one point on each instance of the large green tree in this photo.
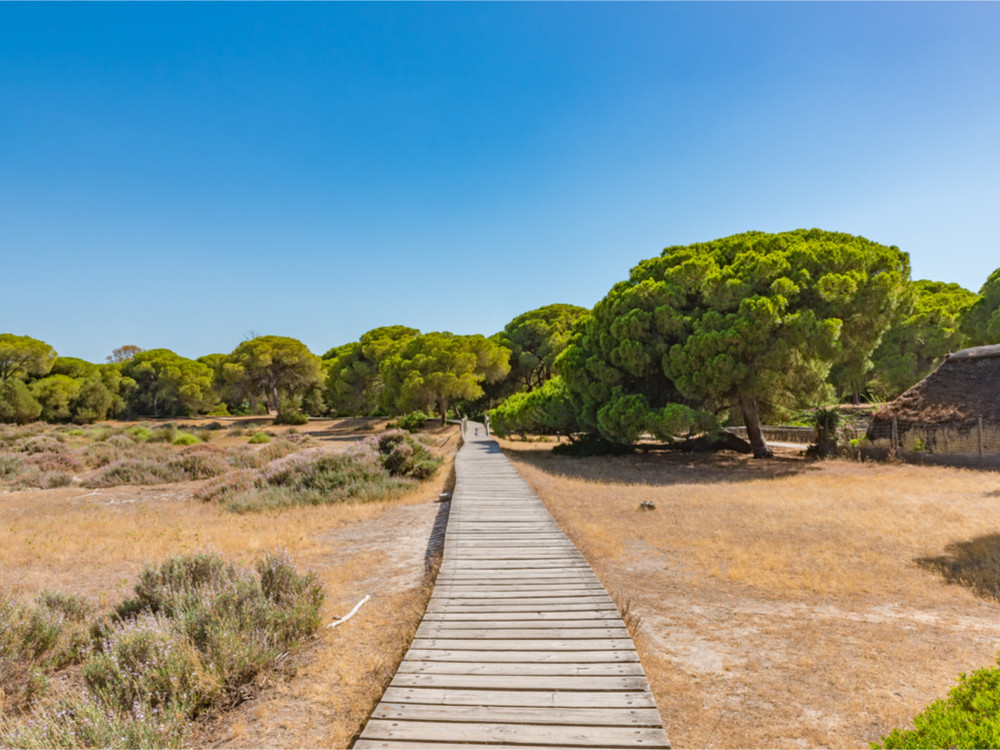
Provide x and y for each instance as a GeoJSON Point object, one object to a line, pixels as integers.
{"type": "Point", "coordinates": [17, 405]}
{"type": "Point", "coordinates": [981, 323]}
{"type": "Point", "coordinates": [276, 368]}
{"type": "Point", "coordinates": [546, 410]}
{"type": "Point", "coordinates": [23, 356]}
{"type": "Point", "coordinates": [745, 322]}
{"type": "Point", "coordinates": [434, 370]}
{"type": "Point", "coordinates": [535, 339]}
{"type": "Point", "coordinates": [165, 384]}
{"type": "Point", "coordinates": [921, 339]}
{"type": "Point", "coordinates": [354, 383]}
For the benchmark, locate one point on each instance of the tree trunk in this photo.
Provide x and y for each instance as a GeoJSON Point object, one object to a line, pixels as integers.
{"type": "Point", "coordinates": [443, 408]}
{"type": "Point", "coordinates": [751, 418]}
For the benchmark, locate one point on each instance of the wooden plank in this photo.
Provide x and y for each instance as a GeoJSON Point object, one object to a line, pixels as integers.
{"type": "Point", "coordinates": [524, 644]}
{"type": "Point", "coordinates": [522, 657]}
{"type": "Point", "coordinates": [451, 606]}
{"type": "Point", "coordinates": [561, 734]}
{"type": "Point", "coordinates": [580, 683]}
{"type": "Point", "coordinates": [551, 699]}
{"type": "Point", "coordinates": [430, 630]}
{"type": "Point", "coordinates": [613, 717]}
{"type": "Point", "coordinates": [535, 617]}
{"type": "Point", "coordinates": [600, 669]}
{"type": "Point", "coordinates": [453, 624]}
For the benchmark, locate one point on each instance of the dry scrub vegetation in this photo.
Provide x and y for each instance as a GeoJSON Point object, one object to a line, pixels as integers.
{"type": "Point", "coordinates": [92, 540]}
{"type": "Point", "coordinates": [787, 603]}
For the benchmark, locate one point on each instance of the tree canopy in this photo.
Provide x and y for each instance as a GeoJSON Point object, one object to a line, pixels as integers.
{"type": "Point", "coordinates": [923, 336]}
{"type": "Point", "coordinates": [354, 383]}
{"type": "Point", "coordinates": [747, 322]}
{"type": "Point", "coordinates": [165, 384]}
{"type": "Point", "coordinates": [535, 339]}
{"type": "Point", "coordinates": [433, 370]}
{"type": "Point", "coordinates": [981, 323]}
{"type": "Point", "coordinates": [22, 356]}
{"type": "Point", "coordinates": [276, 366]}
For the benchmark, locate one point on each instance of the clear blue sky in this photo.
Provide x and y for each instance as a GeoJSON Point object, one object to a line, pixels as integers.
{"type": "Point", "coordinates": [179, 175]}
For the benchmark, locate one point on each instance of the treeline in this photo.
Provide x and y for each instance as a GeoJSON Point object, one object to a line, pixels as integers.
{"type": "Point", "coordinates": [746, 328]}
{"type": "Point", "coordinates": [737, 329]}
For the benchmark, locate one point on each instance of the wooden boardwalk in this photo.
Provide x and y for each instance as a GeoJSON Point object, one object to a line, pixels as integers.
{"type": "Point", "coordinates": [520, 646]}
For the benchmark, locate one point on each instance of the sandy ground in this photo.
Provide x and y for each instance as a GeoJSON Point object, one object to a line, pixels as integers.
{"type": "Point", "coordinates": [781, 603]}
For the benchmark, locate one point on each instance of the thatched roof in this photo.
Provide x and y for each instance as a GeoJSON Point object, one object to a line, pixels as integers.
{"type": "Point", "coordinates": [963, 388]}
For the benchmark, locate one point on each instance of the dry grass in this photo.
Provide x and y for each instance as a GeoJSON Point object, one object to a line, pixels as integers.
{"type": "Point", "coordinates": [95, 542]}
{"type": "Point", "coordinates": [786, 603]}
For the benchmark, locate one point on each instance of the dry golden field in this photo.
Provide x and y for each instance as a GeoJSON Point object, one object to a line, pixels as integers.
{"type": "Point", "coordinates": [95, 542]}
{"type": "Point", "coordinates": [786, 603]}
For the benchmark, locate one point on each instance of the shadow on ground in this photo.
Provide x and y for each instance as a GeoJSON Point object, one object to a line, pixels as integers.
{"type": "Point", "coordinates": [663, 467]}
{"type": "Point", "coordinates": [974, 564]}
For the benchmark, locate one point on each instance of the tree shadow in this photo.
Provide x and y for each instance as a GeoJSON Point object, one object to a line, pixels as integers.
{"type": "Point", "coordinates": [658, 468]}
{"type": "Point", "coordinates": [974, 564]}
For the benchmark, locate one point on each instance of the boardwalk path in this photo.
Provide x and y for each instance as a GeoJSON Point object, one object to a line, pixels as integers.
{"type": "Point", "coordinates": [520, 646]}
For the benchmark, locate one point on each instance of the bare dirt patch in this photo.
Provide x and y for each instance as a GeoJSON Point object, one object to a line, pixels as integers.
{"type": "Point", "coordinates": [782, 603]}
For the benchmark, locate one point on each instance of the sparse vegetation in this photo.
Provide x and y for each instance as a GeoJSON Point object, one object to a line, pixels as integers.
{"type": "Point", "coordinates": [196, 630]}
{"type": "Point", "coordinates": [381, 466]}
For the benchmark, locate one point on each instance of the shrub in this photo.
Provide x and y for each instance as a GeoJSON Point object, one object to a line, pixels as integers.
{"type": "Point", "coordinates": [291, 417]}
{"type": "Point", "coordinates": [196, 631]}
{"type": "Point", "coordinates": [55, 461]}
{"type": "Point", "coordinates": [135, 471]}
{"type": "Point", "coordinates": [40, 444]}
{"type": "Point", "coordinates": [199, 462]}
{"type": "Point", "coordinates": [165, 434]}
{"type": "Point", "coordinates": [969, 717]}
{"type": "Point", "coordinates": [11, 466]}
{"type": "Point", "coordinates": [402, 456]}
{"type": "Point", "coordinates": [139, 434]}
{"type": "Point", "coordinates": [44, 634]}
{"type": "Point", "coordinates": [51, 479]}
{"type": "Point", "coordinates": [259, 437]}
{"type": "Point", "coordinates": [185, 438]}
{"type": "Point", "coordinates": [413, 421]}
{"type": "Point", "coordinates": [17, 404]}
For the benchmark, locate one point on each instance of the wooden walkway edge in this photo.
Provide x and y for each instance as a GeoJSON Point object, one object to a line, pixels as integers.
{"type": "Point", "coordinates": [520, 645]}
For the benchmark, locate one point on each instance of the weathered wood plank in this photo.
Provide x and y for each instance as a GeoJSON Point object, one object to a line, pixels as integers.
{"type": "Point", "coordinates": [613, 717]}
{"type": "Point", "coordinates": [580, 683]}
{"type": "Point", "coordinates": [522, 657]}
{"type": "Point", "coordinates": [578, 736]}
{"type": "Point", "coordinates": [524, 644]}
{"type": "Point", "coordinates": [601, 669]}
{"type": "Point", "coordinates": [431, 630]}
{"type": "Point", "coordinates": [551, 699]}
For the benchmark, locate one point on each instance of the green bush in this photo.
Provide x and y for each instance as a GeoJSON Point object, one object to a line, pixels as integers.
{"type": "Point", "coordinates": [413, 422]}
{"type": "Point", "coordinates": [139, 434]}
{"type": "Point", "coordinates": [258, 438]}
{"type": "Point", "coordinates": [185, 438]}
{"type": "Point", "coordinates": [968, 718]}
{"type": "Point", "coordinates": [291, 417]}
{"type": "Point", "coordinates": [17, 404]}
